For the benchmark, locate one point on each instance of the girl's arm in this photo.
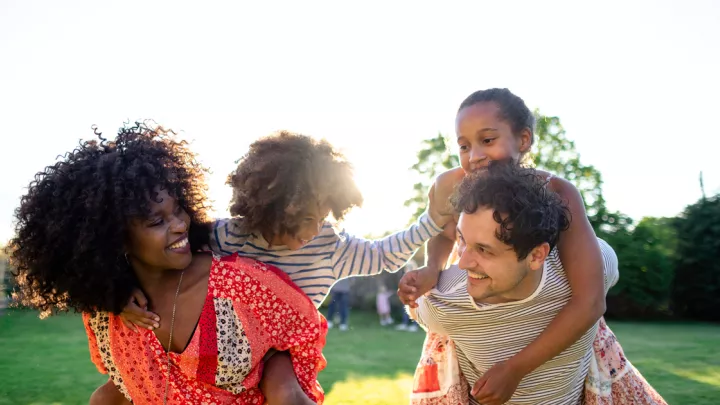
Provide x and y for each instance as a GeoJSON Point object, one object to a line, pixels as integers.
{"type": "Point", "coordinates": [583, 264]}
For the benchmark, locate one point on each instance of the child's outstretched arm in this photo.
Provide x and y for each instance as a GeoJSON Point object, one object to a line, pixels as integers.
{"type": "Point", "coordinates": [354, 256]}
{"type": "Point", "coordinates": [582, 260]}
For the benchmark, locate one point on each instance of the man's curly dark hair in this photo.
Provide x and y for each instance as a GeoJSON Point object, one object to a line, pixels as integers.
{"type": "Point", "coordinates": [284, 174]}
{"type": "Point", "coordinates": [528, 213]}
{"type": "Point", "coordinates": [68, 251]}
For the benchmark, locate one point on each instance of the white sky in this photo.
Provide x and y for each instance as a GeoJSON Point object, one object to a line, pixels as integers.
{"type": "Point", "coordinates": [635, 83]}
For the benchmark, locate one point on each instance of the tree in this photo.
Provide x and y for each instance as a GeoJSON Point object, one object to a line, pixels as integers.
{"type": "Point", "coordinates": [697, 276]}
{"type": "Point", "coordinates": [646, 268]}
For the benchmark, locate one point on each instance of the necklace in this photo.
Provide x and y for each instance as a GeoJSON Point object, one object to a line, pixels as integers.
{"type": "Point", "coordinates": [172, 326]}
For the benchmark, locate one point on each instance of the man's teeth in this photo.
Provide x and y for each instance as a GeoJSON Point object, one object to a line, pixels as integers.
{"type": "Point", "coordinates": [180, 244]}
{"type": "Point", "coordinates": [477, 276]}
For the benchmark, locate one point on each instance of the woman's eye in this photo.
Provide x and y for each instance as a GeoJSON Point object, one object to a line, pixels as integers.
{"type": "Point", "coordinates": [463, 148]}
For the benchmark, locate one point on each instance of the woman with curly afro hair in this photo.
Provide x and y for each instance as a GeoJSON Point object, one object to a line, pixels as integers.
{"type": "Point", "coordinates": [285, 189]}
{"type": "Point", "coordinates": [114, 216]}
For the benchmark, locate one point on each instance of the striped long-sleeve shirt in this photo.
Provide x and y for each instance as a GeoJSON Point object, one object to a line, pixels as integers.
{"type": "Point", "coordinates": [332, 255]}
{"type": "Point", "coordinates": [487, 334]}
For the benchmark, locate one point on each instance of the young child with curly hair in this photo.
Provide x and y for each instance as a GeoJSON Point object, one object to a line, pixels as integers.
{"type": "Point", "coordinates": [285, 189]}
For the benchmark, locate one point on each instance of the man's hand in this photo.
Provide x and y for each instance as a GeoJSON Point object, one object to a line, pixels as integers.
{"type": "Point", "coordinates": [497, 385]}
{"type": "Point", "coordinates": [136, 313]}
{"type": "Point", "coordinates": [415, 284]}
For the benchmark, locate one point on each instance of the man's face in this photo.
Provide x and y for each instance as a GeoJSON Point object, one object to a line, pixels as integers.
{"type": "Point", "coordinates": [495, 274]}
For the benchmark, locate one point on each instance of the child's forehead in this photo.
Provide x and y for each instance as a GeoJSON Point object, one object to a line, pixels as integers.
{"type": "Point", "coordinates": [317, 209]}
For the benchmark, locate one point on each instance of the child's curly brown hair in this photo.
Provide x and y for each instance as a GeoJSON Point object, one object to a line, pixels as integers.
{"type": "Point", "coordinates": [285, 175]}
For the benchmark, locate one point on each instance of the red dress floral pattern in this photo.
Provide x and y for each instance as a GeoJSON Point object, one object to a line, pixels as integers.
{"type": "Point", "coordinates": [250, 308]}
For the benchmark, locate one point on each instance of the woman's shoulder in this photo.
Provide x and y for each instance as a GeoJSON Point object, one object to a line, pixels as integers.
{"type": "Point", "coordinates": [236, 270]}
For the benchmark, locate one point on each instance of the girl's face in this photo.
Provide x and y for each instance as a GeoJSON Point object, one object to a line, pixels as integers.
{"type": "Point", "coordinates": [160, 241]}
{"type": "Point", "coordinates": [311, 224]}
{"type": "Point", "coordinates": [482, 137]}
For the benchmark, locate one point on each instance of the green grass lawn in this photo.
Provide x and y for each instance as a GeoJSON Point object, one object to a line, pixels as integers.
{"type": "Point", "coordinates": [46, 362]}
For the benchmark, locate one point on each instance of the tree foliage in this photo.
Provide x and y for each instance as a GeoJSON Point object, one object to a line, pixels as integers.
{"type": "Point", "coordinates": [433, 158]}
{"type": "Point", "coordinates": [697, 271]}
{"type": "Point", "coordinates": [647, 270]}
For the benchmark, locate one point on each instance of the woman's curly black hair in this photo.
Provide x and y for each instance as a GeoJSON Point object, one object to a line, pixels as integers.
{"type": "Point", "coordinates": [528, 213]}
{"type": "Point", "coordinates": [283, 175]}
{"type": "Point", "coordinates": [68, 251]}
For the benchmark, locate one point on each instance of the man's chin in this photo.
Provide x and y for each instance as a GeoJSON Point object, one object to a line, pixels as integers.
{"type": "Point", "coordinates": [478, 293]}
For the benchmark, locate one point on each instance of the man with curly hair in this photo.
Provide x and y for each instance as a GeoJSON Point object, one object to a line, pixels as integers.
{"type": "Point", "coordinates": [508, 285]}
{"type": "Point", "coordinates": [285, 189]}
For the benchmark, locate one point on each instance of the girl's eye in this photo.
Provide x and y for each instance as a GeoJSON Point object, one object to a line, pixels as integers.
{"type": "Point", "coordinates": [488, 141]}
{"type": "Point", "coordinates": [156, 222]}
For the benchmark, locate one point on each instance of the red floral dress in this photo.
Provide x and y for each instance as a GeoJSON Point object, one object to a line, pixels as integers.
{"type": "Point", "coordinates": [250, 308]}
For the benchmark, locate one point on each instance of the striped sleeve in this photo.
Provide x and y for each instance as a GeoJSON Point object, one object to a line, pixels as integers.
{"type": "Point", "coordinates": [610, 265]}
{"type": "Point", "coordinates": [361, 257]}
{"type": "Point", "coordinates": [427, 316]}
{"type": "Point", "coordinates": [228, 236]}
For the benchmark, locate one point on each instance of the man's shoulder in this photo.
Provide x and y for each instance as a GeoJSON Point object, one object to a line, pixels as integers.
{"type": "Point", "coordinates": [451, 279]}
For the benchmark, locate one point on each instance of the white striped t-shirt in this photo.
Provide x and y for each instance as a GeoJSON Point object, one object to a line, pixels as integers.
{"type": "Point", "coordinates": [332, 255]}
{"type": "Point", "coordinates": [487, 334]}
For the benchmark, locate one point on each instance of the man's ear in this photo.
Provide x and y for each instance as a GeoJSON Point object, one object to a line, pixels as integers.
{"type": "Point", "coordinates": [537, 256]}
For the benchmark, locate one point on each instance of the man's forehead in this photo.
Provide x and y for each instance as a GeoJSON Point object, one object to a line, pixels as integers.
{"type": "Point", "coordinates": [479, 227]}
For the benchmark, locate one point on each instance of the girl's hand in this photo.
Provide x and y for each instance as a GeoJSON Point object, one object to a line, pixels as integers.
{"type": "Point", "coordinates": [497, 385]}
{"type": "Point", "coordinates": [136, 314]}
{"type": "Point", "coordinates": [416, 283]}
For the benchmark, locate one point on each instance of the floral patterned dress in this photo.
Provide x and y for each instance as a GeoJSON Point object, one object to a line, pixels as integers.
{"type": "Point", "coordinates": [250, 308]}
{"type": "Point", "coordinates": [611, 379]}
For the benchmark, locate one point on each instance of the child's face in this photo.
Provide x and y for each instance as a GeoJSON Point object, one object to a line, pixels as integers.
{"type": "Point", "coordinates": [482, 136]}
{"type": "Point", "coordinates": [311, 224]}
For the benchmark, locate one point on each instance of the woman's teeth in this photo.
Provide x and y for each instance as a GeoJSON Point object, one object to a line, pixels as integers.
{"type": "Point", "coordinates": [179, 244]}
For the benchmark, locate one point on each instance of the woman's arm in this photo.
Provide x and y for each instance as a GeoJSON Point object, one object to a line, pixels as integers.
{"type": "Point", "coordinates": [108, 394]}
{"type": "Point", "coordinates": [581, 258]}
{"type": "Point", "coordinates": [279, 383]}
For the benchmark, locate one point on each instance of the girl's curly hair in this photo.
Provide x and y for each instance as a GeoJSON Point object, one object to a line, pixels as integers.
{"type": "Point", "coordinates": [283, 175]}
{"type": "Point", "coordinates": [68, 251]}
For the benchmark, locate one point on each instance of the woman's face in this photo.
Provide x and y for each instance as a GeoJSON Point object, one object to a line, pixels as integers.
{"type": "Point", "coordinates": [160, 241]}
{"type": "Point", "coordinates": [482, 137]}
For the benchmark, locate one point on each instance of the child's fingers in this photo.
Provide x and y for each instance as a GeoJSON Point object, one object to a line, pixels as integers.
{"type": "Point", "coordinates": [478, 386]}
{"type": "Point", "coordinates": [149, 325]}
{"type": "Point", "coordinates": [140, 298]}
{"type": "Point", "coordinates": [132, 310]}
{"type": "Point", "coordinates": [129, 325]}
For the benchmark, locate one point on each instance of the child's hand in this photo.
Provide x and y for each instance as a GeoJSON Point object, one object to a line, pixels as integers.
{"type": "Point", "coordinates": [415, 284]}
{"type": "Point", "coordinates": [497, 385]}
{"type": "Point", "coordinates": [136, 313]}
